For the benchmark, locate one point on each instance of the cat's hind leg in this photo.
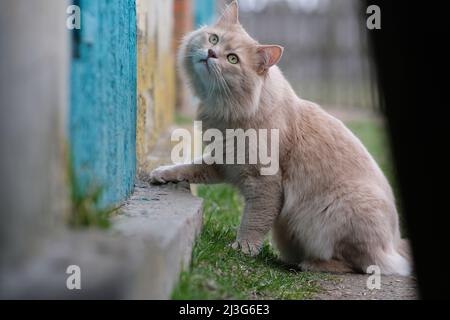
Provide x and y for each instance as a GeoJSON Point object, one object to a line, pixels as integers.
{"type": "Point", "coordinates": [287, 245]}
{"type": "Point", "coordinates": [360, 256]}
{"type": "Point", "coordinates": [388, 260]}
{"type": "Point", "coordinates": [292, 253]}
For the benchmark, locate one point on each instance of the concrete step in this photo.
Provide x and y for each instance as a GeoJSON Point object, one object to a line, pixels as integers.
{"type": "Point", "coordinates": [164, 222]}
{"type": "Point", "coordinates": [140, 257]}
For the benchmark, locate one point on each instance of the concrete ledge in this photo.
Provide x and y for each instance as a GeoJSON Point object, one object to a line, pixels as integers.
{"type": "Point", "coordinates": [164, 222]}
{"type": "Point", "coordinates": [141, 257]}
{"type": "Point", "coordinates": [107, 265]}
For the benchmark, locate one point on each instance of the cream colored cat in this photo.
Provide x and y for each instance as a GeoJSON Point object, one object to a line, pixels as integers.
{"type": "Point", "coordinates": [330, 208]}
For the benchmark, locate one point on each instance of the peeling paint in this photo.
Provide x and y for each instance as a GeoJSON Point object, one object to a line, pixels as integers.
{"type": "Point", "coordinates": [102, 119]}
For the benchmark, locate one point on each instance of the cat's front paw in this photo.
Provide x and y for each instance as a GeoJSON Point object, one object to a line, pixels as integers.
{"type": "Point", "coordinates": [165, 174]}
{"type": "Point", "coordinates": [246, 247]}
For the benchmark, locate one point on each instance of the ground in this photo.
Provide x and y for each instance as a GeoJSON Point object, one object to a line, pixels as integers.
{"type": "Point", "coordinates": [354, 287]}
{"type": "Point", "coordinates": [219, 272]}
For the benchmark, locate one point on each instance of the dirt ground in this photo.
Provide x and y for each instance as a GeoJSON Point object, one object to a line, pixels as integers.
{"type": "Point", "coordinates": [354, 287]}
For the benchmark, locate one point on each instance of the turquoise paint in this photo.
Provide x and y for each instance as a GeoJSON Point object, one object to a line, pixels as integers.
{"type": "Point", "coordinates": [102, 117]}
{"type": "Point", "coordinates": [205, 11]}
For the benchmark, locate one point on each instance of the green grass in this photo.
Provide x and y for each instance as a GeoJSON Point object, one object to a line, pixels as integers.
{"type": "Point", "coordinates": [374, 136]}
{"type": "Point", "coordinates": [219, 272]}
{"type": "Point", "coordinates": [86, 211]}
{"type": "Point", "coordinates": [182, 120]}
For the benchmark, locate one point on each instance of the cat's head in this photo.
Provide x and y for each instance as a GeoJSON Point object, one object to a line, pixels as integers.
{"type": "Point", "coordinates": [225, 66]}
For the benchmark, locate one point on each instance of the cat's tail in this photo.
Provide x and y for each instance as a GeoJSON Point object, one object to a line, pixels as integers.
{"type": "Point", "coordinates": [396, 260]}
{"type": "Point", "coordinates": [404, 248]}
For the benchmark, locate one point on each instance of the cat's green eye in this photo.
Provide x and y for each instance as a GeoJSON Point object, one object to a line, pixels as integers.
{"type": "Point", "coordinates": [214, 39]}
{"type": "Point", "coordinates": [232, 58]}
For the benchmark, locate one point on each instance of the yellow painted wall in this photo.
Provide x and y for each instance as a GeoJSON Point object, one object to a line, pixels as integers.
{"type": "Point", "coordinates": [156, 74]}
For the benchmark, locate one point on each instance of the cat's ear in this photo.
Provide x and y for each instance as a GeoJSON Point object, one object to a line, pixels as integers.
{"type": "Point", "coordinates": [268, 56]}
{"type": "Point", "coordinates": [230, 15]}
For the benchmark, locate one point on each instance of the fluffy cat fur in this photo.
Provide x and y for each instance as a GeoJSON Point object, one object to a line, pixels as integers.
{"type": "Point", "coordinates": [330, 207]}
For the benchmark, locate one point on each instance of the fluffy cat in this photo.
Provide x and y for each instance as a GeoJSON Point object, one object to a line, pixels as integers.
{"type": "Point", "coordinates": [330, 207]}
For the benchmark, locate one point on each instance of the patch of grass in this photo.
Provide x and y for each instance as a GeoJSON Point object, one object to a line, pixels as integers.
{"type": "Point", "coordinates": [219, 272]}
{"type": "Point", "coordinates": [374, 136]}
{"type": "Point", "coordinates": [183, 120]}
{"type": "Point", "coordinates": [86, 210]}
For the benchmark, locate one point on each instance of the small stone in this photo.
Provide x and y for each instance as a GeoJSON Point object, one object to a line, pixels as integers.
{"type": "Point", "coordinates": [211, 285]}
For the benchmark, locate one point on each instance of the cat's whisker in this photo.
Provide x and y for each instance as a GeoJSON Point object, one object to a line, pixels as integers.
{"type": "Point", "coordinates": [212, 84]}
{"type": "Point", "coordinates": [222, 85]}
{"type": "Point", "coordinates": [210, 89]}
{"type": "Point", "coordinates": [226, 88]}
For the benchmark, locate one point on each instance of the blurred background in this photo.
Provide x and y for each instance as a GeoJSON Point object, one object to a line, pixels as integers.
{"type": "Point", "coordinates": [326, 57]}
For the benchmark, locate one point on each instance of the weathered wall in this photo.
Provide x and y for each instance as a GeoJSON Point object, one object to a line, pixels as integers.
{"type": "Point", "coordinates": [33, 95]}
{"type": "Point", "coordinates": [103, 98]}
{"type": "Point", "coordinates": [205, 11]}
{"type": "Point", "coordinates": [156, 73]}
{"type": "Point", "coordinates": [75, 107]}
{"type": "Point", "coordinates": [184, 23]}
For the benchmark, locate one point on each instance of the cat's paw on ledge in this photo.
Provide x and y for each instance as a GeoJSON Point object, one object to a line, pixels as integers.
{"type": "Point", "coordinates": [165, 174]}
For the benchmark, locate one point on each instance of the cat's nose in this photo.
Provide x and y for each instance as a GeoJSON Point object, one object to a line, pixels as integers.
{"type": "Point", "coordinates": [212, 54]}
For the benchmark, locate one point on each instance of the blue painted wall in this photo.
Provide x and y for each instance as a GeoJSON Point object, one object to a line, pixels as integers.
{"type": "Point", "coordinates": [204, 11]}
{"type": "Point", "coordinates": [102, 117]}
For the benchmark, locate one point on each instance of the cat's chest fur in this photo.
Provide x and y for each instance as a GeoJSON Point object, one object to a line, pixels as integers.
{"type": "Point", "coordinates": [233, 172]}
